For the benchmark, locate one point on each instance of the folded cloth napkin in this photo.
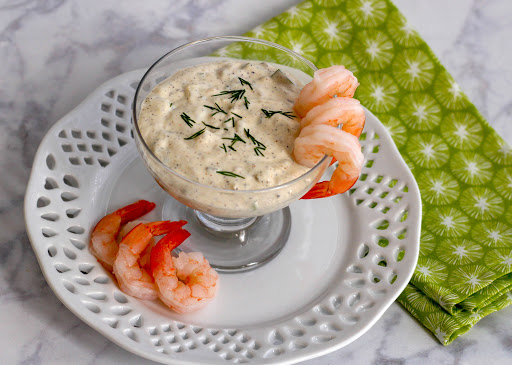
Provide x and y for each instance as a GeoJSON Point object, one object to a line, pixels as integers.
{"type": "Point", "coordinates": [463, 168]}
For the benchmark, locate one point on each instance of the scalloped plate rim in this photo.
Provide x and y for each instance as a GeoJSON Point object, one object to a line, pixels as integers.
{"type": "Point", "coordinates": [168, 358]}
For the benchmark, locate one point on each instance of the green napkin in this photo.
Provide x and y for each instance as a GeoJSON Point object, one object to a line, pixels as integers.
{"type": "Point", "coordinates": [463, 168]}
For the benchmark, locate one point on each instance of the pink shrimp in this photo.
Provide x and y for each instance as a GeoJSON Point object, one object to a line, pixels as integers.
{"type": "Point", "coordinates": [185, 283]}
{"type": "Point", "coordinates": [145, 255]}
{"type": "Point", "coordinates": [315, 141]}
{"type": "Point", "coordinates": [103, 244]}
{"type": "Point", "coordinates": [327, 82]}
{"type": "Point", "coordinates": [133, 279]}
{"type": "Point", "coordinates": [335, 111]}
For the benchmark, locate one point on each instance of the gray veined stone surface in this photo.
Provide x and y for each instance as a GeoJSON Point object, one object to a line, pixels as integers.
{"type": "Point", "coordinates": [88, 164]}
{"type": "Point", "coordinates": [55, 53]}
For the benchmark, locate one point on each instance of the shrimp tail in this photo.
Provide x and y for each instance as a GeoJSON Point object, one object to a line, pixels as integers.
{"type": "Point", "coordinates": [164, 227]}
{"type": "Point", "coordinates": [135, 210]}
{"type": "Point", "coordinates": [339, 186]}
{"type": "Point", "coordinates": [175, 238]}
{"type": "Point", "coordinates": [322, 189]}
{"type": "Point", "coordinates": [161, 253]}
{"type": "Point", "coordinates": [138, 238]}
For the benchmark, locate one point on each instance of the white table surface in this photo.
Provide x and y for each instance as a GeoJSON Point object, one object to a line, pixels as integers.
{"type": "Point", "coordinates": [54, 53]}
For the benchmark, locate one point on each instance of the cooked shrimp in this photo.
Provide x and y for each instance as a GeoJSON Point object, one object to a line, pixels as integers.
{"type": "Point", "coordinates": [185, 283]}
{"type": "Point", "coordinates": [327, 82]}
{"type": "Point", "coordinates": [133, 279]}
{"type": "Point", "coordinates": [103, 244]}
{"type": "Point", "coordinates": [315, 141]}
{"type": "Point", "coordinates": [145, 255]}
{"type": "Point", "coordinates": [335, 111]}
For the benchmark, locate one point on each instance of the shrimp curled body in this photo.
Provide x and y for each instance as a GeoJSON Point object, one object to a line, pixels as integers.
{"type": "Point", "coordinates": [315, 141]}
{"type": "Point", "coordinates": [323, 105]}
{"type": "Point", "coordinates": [103, 244]}
{"type": "Point", "coordinates": [336, 111]}
{"type": "Point", "coordinates": [133, 279]}
{"type": "Point", "coordinates": [185, 283]}
{"type": "Point", "coordinates": [326, 83]}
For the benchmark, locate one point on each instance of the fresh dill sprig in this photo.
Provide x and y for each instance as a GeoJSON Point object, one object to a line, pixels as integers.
{"type": "Point", "coordinates": [224, 148]}
{"type": "Point", "coordinates": [232, 119]}
{"type": "Point", "coordinates": [254, 140]}
{"type": "Point", "coordinates": [258, 150]}
{"type": "Point", "coordinates": [170, 105]}
{"type": "Point", "coordinates": [246, 103]}
{"type": "Point", "coordinates": [239, 116]}
{"type": "Point", "coordinates": [259, 146]}
{"type": "Point", "coordinates": [235, 139]}
{"type": "Point", "coordinates": [270, 113]}
{"type": "Point", "coordinates": [211, 126]}
{"type": "Point", "coordinates": [197, 134]}
{"type": "Point", "coordinates": [217, 109]}
{"type": "Point", "coordinates": [231, 148]}
{"type": "Point", "coordinates": [234, 95]}
{"type": "Point", "coordinates": [244, 82]}
{"type": "Point", "coordinates": [229, 173]}
{"type": "Point", "coordinates": [187, 119]}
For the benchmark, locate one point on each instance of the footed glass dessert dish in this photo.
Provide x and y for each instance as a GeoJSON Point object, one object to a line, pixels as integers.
{"type": "Point", "coordinates": [236, 230]}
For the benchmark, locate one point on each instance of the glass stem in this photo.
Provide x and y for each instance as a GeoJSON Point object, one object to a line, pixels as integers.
{"type": "Point", "coordinates": [224, 225]}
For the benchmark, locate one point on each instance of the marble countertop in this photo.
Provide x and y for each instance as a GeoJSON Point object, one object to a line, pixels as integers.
{"type": "Point", "coordinates": [54, 53]}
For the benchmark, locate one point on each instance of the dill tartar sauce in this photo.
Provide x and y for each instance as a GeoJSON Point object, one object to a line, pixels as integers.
{"type": "Point", "coordinates": [227, 124]}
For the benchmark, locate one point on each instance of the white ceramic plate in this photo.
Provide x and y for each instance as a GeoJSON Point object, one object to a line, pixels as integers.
{"type": "Point", "coordinates": [347, 259]}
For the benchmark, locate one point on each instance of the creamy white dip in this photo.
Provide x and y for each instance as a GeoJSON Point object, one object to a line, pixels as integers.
{"type": "Point", "coordinates": [226, 124]}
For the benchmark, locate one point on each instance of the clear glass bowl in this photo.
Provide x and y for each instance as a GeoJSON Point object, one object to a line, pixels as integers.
{"type": "Point", "coordinates": [222, 214]}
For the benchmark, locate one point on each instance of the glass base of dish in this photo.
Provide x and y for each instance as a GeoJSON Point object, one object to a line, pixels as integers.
{"type": "Point", "coordinates": [230, 244]}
